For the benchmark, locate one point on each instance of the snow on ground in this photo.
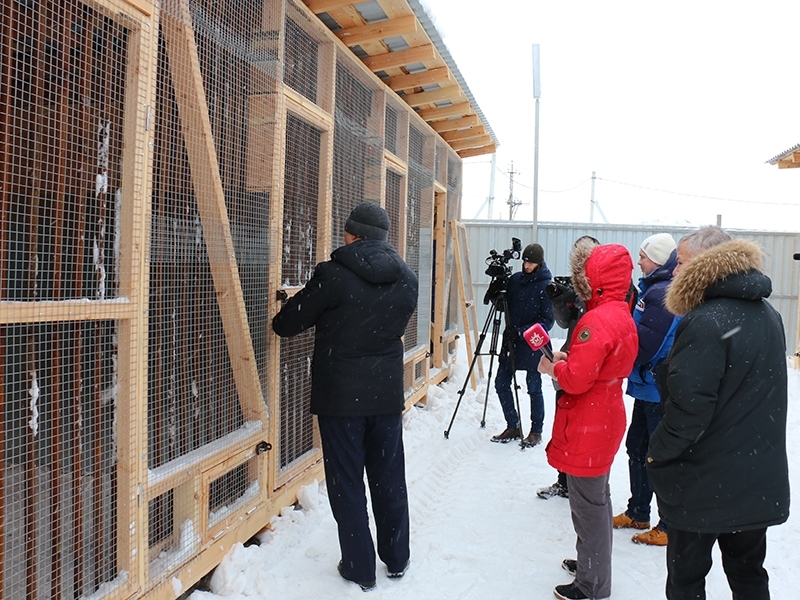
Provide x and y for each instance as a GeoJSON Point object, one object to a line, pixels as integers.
{"type": "Point", "coordinates": [477, 528]}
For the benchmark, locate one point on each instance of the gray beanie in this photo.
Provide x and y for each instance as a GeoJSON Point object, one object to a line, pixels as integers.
{"type": "Point", "coordinates": [533, 253]}
{"type": "Point", "coordinates": [368, 221]}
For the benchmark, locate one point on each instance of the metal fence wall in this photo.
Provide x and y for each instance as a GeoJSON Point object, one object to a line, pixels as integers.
{"type": "Point", "coordinates": [169, 173]}
{"type": "Point", "coordinates": [557, 240]}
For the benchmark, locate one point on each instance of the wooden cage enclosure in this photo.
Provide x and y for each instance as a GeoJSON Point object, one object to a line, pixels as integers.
{"type": "Point", "coordinates": [169, 171]}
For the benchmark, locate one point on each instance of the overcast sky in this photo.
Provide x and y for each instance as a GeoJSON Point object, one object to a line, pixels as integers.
{"type": "Point", "coordinates": [687, 97]}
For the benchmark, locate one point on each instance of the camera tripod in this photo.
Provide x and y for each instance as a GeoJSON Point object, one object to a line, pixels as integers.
{"type": "Point", "coordinates": [495, 316]}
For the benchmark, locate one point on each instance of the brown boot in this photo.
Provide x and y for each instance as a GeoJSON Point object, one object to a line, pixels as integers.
{"type": "Point", "coordinates": [533, 439]}
{"type": "Point", "coordinates": [509, 435]}
{"type": "Point", "coordinates": [652, 537]}
{"type": "Point", "coordinates": [623, 521]}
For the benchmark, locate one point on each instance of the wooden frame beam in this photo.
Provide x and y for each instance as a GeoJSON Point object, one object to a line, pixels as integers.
{"type": "Point", "coordinates": [450, 92]}
{"type": "Point", "coordinates": [321, 6]}
{"type": "Point", "coordinates": [476, 142]}
{"type": "Point", "coordinates": [462, 109]}
{"type": "Point", "coordinates": [439, 75]}
{"type": "Point", "coordinates": [464, 134]}
{"type": "Point", "coordinates": [454, 124]}
{"type": "Point", "coordinates": [380, 30]}
{"type": "Point", "coordinates": [488, 149]}
{"type": "Point", "coordinates": [401, 58]}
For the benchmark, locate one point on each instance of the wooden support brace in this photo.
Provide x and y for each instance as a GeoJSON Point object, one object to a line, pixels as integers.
{"type": "Point", "coordinates": [321, 6]}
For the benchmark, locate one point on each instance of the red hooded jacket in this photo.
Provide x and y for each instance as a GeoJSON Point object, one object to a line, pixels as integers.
{"type": "Point", "coordinates": [590, 415]}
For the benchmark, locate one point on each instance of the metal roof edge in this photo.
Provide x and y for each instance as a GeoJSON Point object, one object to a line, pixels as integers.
{"type": "Point", "coordinates": [774, 160]}
{"type": "Point", "coordinates": [438, 42]}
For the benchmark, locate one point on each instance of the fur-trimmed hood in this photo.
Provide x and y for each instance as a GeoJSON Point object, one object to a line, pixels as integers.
{"type": "Point", "coordinates": [601, 273]}
{"type": "Point", "coordinates": [732, 269]}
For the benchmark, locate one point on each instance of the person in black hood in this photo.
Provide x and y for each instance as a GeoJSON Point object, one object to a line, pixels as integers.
{"type": "Point", "coordinates": [360, 302]}
{"type": "Point", "coordinates": [527, 304]}
{"type": "Point", "coordinates": [717, 460]}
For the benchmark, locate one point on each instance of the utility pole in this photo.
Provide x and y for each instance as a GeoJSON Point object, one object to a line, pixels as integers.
{"type": "Point", "coordinates": [537, 92]}
{"type": "Point", "coordinates": [512, 202]}
{"type": "Point", "coordinates": [591, 201]}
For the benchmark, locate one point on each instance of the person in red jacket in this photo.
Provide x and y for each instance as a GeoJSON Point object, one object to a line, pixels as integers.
{"type": "Point", "coordinates": [590, 415]}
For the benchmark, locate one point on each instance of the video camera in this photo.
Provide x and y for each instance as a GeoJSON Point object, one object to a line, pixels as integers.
{"type": "Point", "coordinates": [499, 269]}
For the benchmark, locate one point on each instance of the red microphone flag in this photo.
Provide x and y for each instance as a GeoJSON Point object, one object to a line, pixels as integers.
{"type": "Point", "coordinates": [537, 339]}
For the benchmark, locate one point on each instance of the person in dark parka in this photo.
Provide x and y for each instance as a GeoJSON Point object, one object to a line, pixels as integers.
{"type": "Point", "coordinates": [717, 460]}
{"type": "Point", "coordinates": [360, 302]}
{"type": "Point", "coordinates": [527, 304]}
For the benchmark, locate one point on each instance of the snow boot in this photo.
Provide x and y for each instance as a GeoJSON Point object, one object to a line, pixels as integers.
{"type": "Point", "coordinates": [623, 521]}
{"type": "Point", "coordinates": [569, 591]}
{"type": "Point", "coordinates": [652, 537]}
{"type": "Point", "coordinates": [551, 491]}
{"type": "Point", "coordinates": [400, 573]}
{"type": "Point", "coordinates": [366, 586]}
{"type": "Point", "coordinates": [509, 435]}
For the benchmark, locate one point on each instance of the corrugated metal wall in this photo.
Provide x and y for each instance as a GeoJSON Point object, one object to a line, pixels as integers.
{"type": "Point", "coordinates": [557, 240]}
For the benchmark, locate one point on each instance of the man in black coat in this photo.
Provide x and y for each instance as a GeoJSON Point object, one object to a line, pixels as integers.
{"type": "Point", "coordinates": [360, 302]}
{"type": "Point", "coordinates": [717, 460]}
{"type": "Point", "coordinates": [527, 304]}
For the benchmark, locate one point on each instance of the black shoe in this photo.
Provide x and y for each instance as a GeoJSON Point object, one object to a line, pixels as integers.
{"type": "Point", "coordinates": [508, 435]}
{"type": "Point", "coordinates": [400, 573]}
{"type": "Point", "coordinates": [570, 566]}
{"type": "Point", "coordinates": [569, 591]}
{"type": "Point", "coordinates": [553, 490]}
{"type": "Point", "coordinates": [365, 586]}
{"type": "Point", "coordinates": [533, 439]}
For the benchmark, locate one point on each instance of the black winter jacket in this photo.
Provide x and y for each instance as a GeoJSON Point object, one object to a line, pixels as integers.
{"type": "Point", "coordinates": [527, 304]}
{"type": "Point", "coordinates": [360, 301]}
{"type": "Point", "coordinates": [717, 460]}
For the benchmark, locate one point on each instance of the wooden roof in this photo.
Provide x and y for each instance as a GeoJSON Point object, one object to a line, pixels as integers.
{"type": "Point", "coordinates": [397, 41]}
{"type": "Point", "coordinates": [790, 159]}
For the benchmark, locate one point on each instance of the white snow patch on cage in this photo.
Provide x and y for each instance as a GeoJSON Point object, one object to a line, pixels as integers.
{"type": "Point", "coordinates": [33, 392]}
{"type": "Point", "coordinates": [169, 558]}
{"type": "Point", "coordinates": [242, 501]}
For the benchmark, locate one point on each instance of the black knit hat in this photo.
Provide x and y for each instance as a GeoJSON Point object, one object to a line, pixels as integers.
{"type": "Point", "coordinates": [368, 221]}
{"type": "Point", "coordinates": [533, 253]}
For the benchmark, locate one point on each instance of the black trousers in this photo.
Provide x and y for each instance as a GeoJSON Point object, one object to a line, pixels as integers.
{"type": "Point", "coordinates": [689, 561]}
{"type": "Point", "coordinates": [351, 446]}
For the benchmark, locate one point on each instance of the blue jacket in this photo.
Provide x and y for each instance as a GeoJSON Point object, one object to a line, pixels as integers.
{"type": "Point", "coordinates": [527, 304]}
{"type": "Point", "coordinates": [656, 328]}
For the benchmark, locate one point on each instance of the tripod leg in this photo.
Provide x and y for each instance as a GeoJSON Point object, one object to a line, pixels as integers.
{"type": "Point", "coordinates": [475, 356]}
{"type": "Point", "coordinates": [509, 341]}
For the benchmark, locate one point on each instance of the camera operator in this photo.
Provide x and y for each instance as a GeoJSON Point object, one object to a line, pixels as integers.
{"type": "Point", "coordinates": [527, 304]}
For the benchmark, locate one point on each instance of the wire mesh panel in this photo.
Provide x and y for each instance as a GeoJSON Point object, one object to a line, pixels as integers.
{"type": "Point", "coordinates": [357, 147]}
{"type": "Point", "coordinates": [394, 183]}
{"type": "Point", "coordinates": [300, 229]}
{"type": "Point", "coordinates": [419, 207]}
{"type": "Point", "coordinates": [300, 60]}
{"type": "Point", "coordinates": [209, 253]}
{"type": "Point", "coordinates": [64, 74]}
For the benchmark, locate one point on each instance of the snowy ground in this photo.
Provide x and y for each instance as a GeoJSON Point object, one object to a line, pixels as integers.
{"type": "Point", "coordinates": [477, 528]}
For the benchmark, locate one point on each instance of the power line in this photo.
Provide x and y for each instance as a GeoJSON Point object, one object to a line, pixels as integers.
{"type": "Point", "coordinates": [644, 187]}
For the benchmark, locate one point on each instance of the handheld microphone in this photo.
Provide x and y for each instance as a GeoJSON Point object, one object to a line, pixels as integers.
{"type": "Point", "coordinates": [537, 339]}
